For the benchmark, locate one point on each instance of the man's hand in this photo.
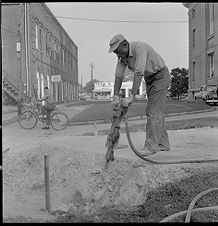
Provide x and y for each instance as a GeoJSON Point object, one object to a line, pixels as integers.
{"type": "Point", "coordinates": [115, 103]}
{"type": "Point", "coordinates": [128, 100]}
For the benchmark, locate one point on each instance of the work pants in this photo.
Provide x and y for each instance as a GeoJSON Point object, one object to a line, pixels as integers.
{"type": "Point", "coordinates": [156, 88]}
{"type": "Point", "coordinates": [46, 110]}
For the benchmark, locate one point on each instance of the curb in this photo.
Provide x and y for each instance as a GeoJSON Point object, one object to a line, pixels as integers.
{"type": "Point", "coordinates": [140, 117]}
{"type": "Point", "coordinates": [102, 121]}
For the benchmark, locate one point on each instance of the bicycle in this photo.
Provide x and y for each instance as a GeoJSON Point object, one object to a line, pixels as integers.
{"type": "Point", "coordinates": [33, 113]}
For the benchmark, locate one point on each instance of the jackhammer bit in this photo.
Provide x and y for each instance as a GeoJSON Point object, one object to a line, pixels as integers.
{"type": "Point", "coordinates": [114, 134]}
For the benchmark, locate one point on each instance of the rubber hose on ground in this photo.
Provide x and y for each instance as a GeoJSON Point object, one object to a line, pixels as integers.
{"type": "Point", "coordinates": [159, 163]}
{"type": "Point", "coordinates": [197, 210]}
{"type": "Point", "coordinates": [190, 209]}
{"type": "Point", "coordinates": [191, 206]}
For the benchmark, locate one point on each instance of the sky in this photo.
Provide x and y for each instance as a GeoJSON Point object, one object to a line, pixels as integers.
{"type": "Point", "coordinates": [92, 38]}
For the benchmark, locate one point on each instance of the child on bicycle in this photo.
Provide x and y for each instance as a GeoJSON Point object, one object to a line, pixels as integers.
{"type": "Point", "coordinates": [48, 107]}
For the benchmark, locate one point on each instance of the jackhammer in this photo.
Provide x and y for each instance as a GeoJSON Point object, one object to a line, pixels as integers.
{"type": "Point", "coordinates": [114, 134]}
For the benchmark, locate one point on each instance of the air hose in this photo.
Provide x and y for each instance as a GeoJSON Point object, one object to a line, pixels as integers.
{"type": "Point", "coordinates": [191, 206]}
{"type": "Point", "coordinates": [191, 210]}
{"type": "Point", "coordinates": [161, 162]}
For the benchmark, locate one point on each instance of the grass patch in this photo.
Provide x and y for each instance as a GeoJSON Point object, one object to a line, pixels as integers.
{"type": "Point", "coordinates": [103, 110]}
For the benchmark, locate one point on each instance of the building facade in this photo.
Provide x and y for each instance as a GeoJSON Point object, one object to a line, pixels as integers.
{"type": "Point", "coordinates": [203, 46]}
{"type": "Point", "coordinates": [107, 88]}
{"type": "Point", "coordinates": [37, 52]}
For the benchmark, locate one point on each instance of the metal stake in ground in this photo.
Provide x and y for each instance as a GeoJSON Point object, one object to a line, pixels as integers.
{"type": "Point", "coordinates": [47, 184]}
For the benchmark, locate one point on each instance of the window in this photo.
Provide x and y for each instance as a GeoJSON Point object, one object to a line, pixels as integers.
{"type": "Point", "coordinates": [38, 84]}
{"type": "Point", "coordinates": [40, 37]}
{"type": "Point", "coordinates": [58, 52]}
{"type": "Point", "coordinates": [211, 64]}
{"type": "Point", "coordinates": [193, 71]}
{"type": "Point", "coordinates": [67, 58]}
{"type": "Point", "coordinates": [63, 56]}
{"type": "Point", "coordinates": [74, 51]}
{"type": "Point", "coordinates": [211, 12]}
{"type": "Point", "coordinates": [193, 38]}
{"type": "Point", "coordinates": [46, 43]}
{"type": "Point", "coordinates": [36, 35]}
{"type": "Point", "coordinates": [55, 49]}
{"type": "Point", "coordinates": [73, 64]}
{"type": "Point", "coordinates": [42, 87]}
{"type": "Point", "coordinates": [66, 89]}
{"type": "Point", "coordinates": [48, 81]}
{"type": "Point", "coordinates": [193, 13]}
{"type": "Point", "coordinates": [52, 48]}
{"type": "Point", "coordinates": [62, 88]}
{"type": "Point", "coordinates": [49, 45]}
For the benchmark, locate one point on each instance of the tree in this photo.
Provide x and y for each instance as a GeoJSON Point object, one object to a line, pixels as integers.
{"type": "Point", "coordinates": [179, 82]}
{"type": "Point", "coordinates": [81, 88]}
{"type": "Point", "coordinates": [89, 87]}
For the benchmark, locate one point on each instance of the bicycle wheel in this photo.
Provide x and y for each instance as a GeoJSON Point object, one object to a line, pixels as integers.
{"type": "Point", "coordinates": [59, 120]}
{"type": "Point", "coordinates": [27, 120]}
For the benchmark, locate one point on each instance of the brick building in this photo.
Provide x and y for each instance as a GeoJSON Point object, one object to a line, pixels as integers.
{"type": "Point", "coordinates": [203, 46]}
{"type": "Point", "coordinates": [37, 52]}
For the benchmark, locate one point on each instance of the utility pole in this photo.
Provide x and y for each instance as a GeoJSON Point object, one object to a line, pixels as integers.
{"type": "Point", "coordinates": [92, 66]}
{"type": "Point", "coordinates": [81, 81]}
{"type": "Point", "coordinates": [19, 46]}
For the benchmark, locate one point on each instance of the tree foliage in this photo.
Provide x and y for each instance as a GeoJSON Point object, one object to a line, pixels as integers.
{"type": "Point", "coordinates": [89, 87]}
{"type": "Point", "coordinates": [179, 82]}
{"type": "Point", "coordinates": [81, 89]}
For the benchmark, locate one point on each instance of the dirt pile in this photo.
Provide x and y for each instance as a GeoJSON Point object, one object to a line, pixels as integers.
{"type": "Point", "coordinates": [78, 181]}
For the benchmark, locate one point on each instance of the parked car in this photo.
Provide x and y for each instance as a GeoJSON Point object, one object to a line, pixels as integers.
{"type": "Point", "coordinates": [208, 94]}
{"type": "Point", "coordinates": [184, 97]}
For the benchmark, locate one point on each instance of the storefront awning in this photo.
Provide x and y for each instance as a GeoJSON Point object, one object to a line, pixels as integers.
{"type": "Point", "coordinates": [101, 90]}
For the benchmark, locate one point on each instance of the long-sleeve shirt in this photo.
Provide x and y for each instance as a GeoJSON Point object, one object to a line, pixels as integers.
{"type": "Point", "coordinates": [143, 60]}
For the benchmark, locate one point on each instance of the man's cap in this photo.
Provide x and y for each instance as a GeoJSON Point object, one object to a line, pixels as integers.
{"type": "Point", "coordinates": [115, 41]}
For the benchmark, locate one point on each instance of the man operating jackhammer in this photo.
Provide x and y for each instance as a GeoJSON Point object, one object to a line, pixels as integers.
{"type": "Point", "coordinates": [144, 61]}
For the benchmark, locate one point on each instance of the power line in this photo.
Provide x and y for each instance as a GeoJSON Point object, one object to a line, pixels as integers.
{"type": "Point", "coordinates": [120, 21]}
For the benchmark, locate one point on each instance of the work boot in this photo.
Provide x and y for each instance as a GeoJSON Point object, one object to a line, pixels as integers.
{"type": "Point", "coordinates": [162, 148]}
{"type": "Point", "coordinates": [145, 152]}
